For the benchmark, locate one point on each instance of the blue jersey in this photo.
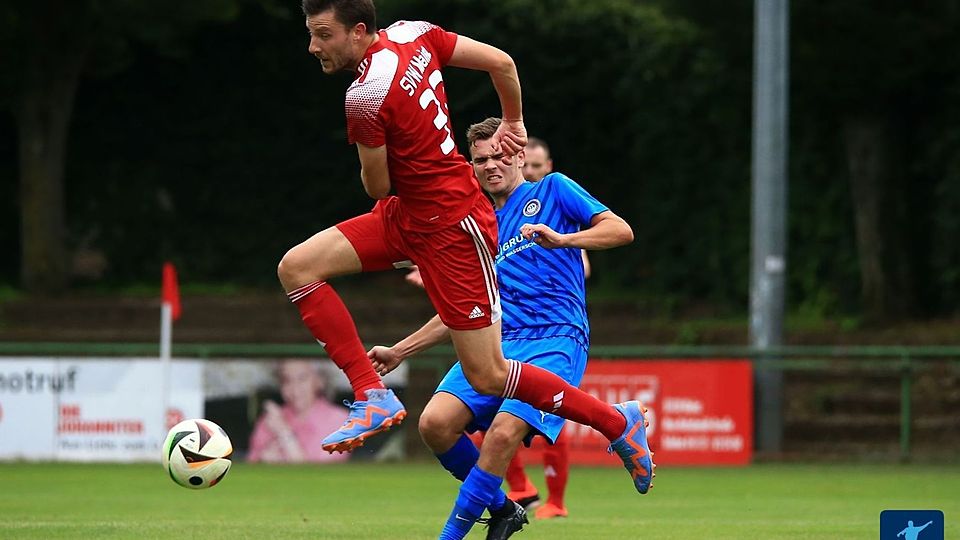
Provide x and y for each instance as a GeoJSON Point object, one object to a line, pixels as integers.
{"type": "Point", "coordinates": [542, 290]}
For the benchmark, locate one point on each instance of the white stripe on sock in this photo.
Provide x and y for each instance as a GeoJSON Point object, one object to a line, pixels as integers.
{"type": "Point", "coordinates": [305, 291]}
{"type": "Point", "coordinates": [514, 369]}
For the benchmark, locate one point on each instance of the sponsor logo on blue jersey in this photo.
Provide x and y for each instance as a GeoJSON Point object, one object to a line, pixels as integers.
{"type": "Point", "coordinates": [532, 208]}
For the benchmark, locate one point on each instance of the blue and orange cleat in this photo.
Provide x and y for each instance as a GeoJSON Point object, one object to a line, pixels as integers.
{"type": "Point", "coordinates": [632, 446]}
{"type": "Point", "coordinates": [380, 412]}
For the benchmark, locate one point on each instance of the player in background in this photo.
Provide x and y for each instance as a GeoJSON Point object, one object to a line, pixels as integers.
{"type": "Point", "coordinates": [544, 321]}
{"type": "Point", "coordinates": [537, 162]}
{"type": "Point", "coordinates": [397, 116]}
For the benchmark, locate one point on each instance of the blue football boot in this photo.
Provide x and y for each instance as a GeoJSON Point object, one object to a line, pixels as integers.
{"type": "Point", "coordinates": [632, 446]}
{"type": "Point", "coordinates": [379, 412]}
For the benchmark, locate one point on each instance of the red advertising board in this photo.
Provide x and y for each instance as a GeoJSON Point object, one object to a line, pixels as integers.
{"type": "Point", "coordinates": [700, 412]}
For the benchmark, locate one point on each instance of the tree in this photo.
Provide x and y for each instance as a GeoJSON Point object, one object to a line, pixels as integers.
{"type": "Point", "coordinates": [872, 87]}
{"type": "Point", "coordinates": [49, 45]}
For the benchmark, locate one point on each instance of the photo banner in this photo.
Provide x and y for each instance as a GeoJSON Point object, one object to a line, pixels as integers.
{"type": "Point", "coordinates": [81, 409]}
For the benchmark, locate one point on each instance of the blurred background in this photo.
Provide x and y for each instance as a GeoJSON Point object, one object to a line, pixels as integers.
{"type": "Point", "coordinates": [202, 133]}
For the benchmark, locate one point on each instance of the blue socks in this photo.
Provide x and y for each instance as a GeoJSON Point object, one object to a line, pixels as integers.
{"type": "Point", "coordinates": [476, 493]}
{"type": "Point", "coordinates": [459, 459]}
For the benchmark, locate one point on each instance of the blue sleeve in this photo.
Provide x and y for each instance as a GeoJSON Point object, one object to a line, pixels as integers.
{"type": "Point", "coordinates": [576, 203]}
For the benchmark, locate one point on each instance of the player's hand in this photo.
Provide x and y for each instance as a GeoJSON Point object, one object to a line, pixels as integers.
{"type": "Point", "coordinates": [384, 359]}
{"type": "Point", "coordinates": [413, 277]}
{"type": "Point", "coordinates": [542, 235]}
{"type": "Point", "coordinates": [510, 137]}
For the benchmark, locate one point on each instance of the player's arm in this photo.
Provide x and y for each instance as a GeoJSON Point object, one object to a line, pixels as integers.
{"type": "Point", "coordinates": [373, 170]}
{"type": "Point", "coordinates": [386, 359]}
{"type": "Point", "coordinates": [607, 230]}
{"type": "Point", "coordinates": [472, 54]}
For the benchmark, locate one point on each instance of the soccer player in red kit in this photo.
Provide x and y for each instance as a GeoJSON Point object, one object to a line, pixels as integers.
{"type": "Point", "coordinates": [397, 116]}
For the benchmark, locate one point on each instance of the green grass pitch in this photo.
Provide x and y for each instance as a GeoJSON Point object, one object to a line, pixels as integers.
{"type": "Point", "coordinates": [401, 501]}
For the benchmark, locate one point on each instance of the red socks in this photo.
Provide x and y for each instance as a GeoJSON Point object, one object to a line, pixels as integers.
{"type": "Point", "coordinates": [516, 478]}
{"type": "Point", "coordinates": [548, 392]}
{"type": "Point", "coordinates": [556, 468]}
{"type": "Point", "coordinates": [330, 323]}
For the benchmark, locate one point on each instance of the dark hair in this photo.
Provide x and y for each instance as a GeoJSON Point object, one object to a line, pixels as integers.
{"type": "Point", "coordinates": [348, 12]}
{"type": "Point", "coordinates": [482, 131]}
{"type": "Point", "coordinates": [534, 142]}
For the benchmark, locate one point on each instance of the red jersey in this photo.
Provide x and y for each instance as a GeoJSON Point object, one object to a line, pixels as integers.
{"type": "Point", "coordinates": [398, 99]}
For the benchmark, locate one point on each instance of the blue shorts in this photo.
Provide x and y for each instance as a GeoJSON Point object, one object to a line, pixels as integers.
{"type": "Point", "coordinates": [564, 356]}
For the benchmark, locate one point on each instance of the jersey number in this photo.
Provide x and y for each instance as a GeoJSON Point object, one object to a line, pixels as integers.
{"type": "Point", "coordinates": [440, 122]}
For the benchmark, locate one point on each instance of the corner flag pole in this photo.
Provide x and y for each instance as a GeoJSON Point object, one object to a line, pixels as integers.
{"type": "Point", "coordinates": [169, 312]}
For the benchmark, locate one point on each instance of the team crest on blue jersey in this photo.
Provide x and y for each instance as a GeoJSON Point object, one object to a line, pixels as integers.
{"type": "Point", "coordinates": [532, 208]}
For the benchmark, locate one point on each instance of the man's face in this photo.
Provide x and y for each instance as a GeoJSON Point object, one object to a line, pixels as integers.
{"type": "Point", "coordinates": [333, 43]}
{"type": "Point", "coordinates": [499, 174]}
{"type": "Point", "coordinates": [300, 384]}
{"type": "Point", "coordinates": [537, 164]}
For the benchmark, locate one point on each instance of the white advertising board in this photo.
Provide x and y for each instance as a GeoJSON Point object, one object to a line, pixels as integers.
{"type": "Point", "coordinates": [92, 409]}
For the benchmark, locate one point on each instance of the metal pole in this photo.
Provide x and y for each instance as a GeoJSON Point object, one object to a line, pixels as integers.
{"type": "Point", "coordinates": [166, 348]}
{"type": "Point", "coordinates": [906, 375]}
{"type": "Point", "coordinates": [768, 257]}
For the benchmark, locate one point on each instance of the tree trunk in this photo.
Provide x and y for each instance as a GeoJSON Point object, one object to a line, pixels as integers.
{"type": "Point", "coordinates": [52, 70]}
{"type": "Point", "coordinates": [885, 291]}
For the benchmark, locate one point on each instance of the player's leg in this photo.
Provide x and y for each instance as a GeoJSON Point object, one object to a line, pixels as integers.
{"type": "Point", "coordinates": [481, 489]}
{"type": "Point", "coordinates": [515, 422]}
{"type": "Point", "coordinates": [456, 407]}
{"type": "Point", "coordinates": [522, 489]}
{"type": "Point", "coordinates": [624, 424]}
{"type": "Point", "coordinates": [556, 470]}
{"type": "Point", "coordinates": [353, 246]}
{"type": "Point", "coordinates": [565, 356]}
{"type": "Point", "coordinates": [304, 272]}
{"type": "Point", "coordinates": [477, 438]}
{"type": "Point", "coordinates": [442, 426]}
{"type": "Point", "coordinates": [457, 270]}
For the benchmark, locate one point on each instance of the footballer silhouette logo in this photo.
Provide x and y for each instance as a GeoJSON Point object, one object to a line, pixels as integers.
{"type": "Point", "coordinates": [911, 525]}
{"type": "Point", "coordinates": [532, 208]}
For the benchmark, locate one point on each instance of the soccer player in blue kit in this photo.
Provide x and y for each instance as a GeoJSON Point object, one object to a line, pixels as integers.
{"type": "Point", "coordinates": [543, 227]}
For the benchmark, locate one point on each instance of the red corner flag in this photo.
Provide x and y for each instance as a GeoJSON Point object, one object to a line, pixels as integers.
{"type": "Point", "coordinates": [170, 290]}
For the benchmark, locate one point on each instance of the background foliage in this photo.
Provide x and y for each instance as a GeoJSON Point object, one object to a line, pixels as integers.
{"type": "Point", "coordinates": [222, 148]}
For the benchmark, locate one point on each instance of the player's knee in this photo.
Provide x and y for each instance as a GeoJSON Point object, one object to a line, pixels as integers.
{"type": "Point", "coordinates": [296, 268]}
{"type": "Point", "coordinates": [434, 430]}
{"type": "Point", "coordinates": [287, 269]}
{"type": "Point", "coordinates": [503, 439]}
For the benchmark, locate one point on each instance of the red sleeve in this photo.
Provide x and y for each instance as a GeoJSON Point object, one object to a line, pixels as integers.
{"type": "Point", "coordinates": [443, 42]}
{"type": "Point", "coordinates": [365, 117]}
{"type": "Point", "coordinates": [365, 126]}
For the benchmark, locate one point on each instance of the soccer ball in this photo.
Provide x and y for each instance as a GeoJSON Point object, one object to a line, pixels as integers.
{"type": "Point", "coordinates": [197, 453]}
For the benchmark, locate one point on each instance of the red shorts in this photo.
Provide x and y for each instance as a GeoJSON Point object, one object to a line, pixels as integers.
{"type": "Point", "coordinates": [456, 262]}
